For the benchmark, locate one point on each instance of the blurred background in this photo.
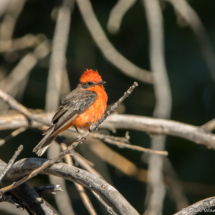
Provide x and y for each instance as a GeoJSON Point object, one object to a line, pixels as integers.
{"type": "Point", "coordinates": [191, 82]}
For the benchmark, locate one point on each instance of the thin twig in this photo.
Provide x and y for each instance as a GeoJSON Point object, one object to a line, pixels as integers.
{"type": "Point", "coordinates": [15, 105]}
{"type": "Point", "coordinates": [109, 209]}
{"type": "Point", "coordinates": [20, 148]}
{"type": "Point", "coordinates": [12, 134]}
{"type": "Point", "coordinates": [123, 142]}
{"type": "Point", "coordinates": [209, 126]}
{"type": "Point", "coordinates": [111, 138]}
{"type": "Point", "coordinates": [137, 148]}
{"type": "Point", "coordinates": [72, 146]}
{"type": "Point", "coordinates": [19, 107]}
{"type": "Point", "coordinates": [79, 187]}
{"type": "Point", "coordinates": [108, 50]}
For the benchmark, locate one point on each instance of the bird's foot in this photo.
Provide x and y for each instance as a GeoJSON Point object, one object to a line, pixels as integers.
{"type": "Point", "coordinates": [92, 124]}
{"type": "Point", "coordinates": [79, 136]}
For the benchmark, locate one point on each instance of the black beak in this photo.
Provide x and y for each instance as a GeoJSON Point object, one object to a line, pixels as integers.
{"type": "Point", "coordinates": [101, 83]}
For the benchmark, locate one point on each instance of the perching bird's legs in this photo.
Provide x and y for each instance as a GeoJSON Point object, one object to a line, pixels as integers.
{"type": "Point", "coordinates": [79, 134]}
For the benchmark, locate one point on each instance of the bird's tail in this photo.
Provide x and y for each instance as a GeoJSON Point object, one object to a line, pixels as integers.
{"type": "Point", "coordinates": [43, 145]}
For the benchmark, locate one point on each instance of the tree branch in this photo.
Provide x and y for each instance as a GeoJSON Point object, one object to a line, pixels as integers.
{"type": "Point", "coordinates": [24, 196]}
{"type": "Point", "coordinates": [198, 207]}
{"type": "Point", "coordinates": [150, 125]}
{"type": "Point", "coordinates": [8, 166]}
{"type": "Point", "coordinates": [108, 193]}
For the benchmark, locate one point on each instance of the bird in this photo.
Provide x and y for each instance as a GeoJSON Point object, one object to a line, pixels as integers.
{"type": "Point", "coordinates": [82, 107]}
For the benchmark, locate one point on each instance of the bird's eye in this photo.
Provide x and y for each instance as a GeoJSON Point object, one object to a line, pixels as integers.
{"type": "Point", "coordinates": [90, 83]}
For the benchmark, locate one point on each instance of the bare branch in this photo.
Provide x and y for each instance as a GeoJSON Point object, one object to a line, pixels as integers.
{"type": "Point", "coordinates": [108, 193]}
{"type": "Point", "coordinates": [24, 196]}
{"type": "Point", "coordinates": [108, 50]}
{"type": "Point", "coordinates": [209, 126]}
{"type": "Point", "coordinates": [136, 148]}
{"type": "Point", "coordinates": [117, 13]}
{"type": "Point", "coordinates": [13, 134]}
{"type": "Point", "coordinates": [11, 162]}
{"type": "Point", "coordinates": [58, 60]}
{"type": "Point", "coordinates": [14, 9]}
{"type": "Point", "coordinates": [14, 104]}
{"type": "Point", "coordinates": [198, 207]}
{"type": "Point", "coordinates": [27, 41]}
{"type": "Point", "coordinates": [25, 65]}
{"type": "Point", "coordinates": [124, 121]}
{"type": "Point", "coordinates": [156, 188]}
{"type": "Point", "coordinates": [123, 142]}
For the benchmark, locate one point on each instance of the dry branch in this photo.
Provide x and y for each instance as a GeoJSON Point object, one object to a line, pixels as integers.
{"type": "Point", "coordinates": [203, 205]}
{"type": "Point", "coordinates": [11, 135]}
{"type": "Point", "coordinates": [8, 166]}
{"type": "Point", "coordinates": [23, 68]}
{"type": "Point", "coordinates": [108, 193]}
{"type": "Point", "coordinates": [27, 41]}
{"type": "Point", "coordinates": [150, 125]}
{"type": "Point", "coordinates": [26, 197]}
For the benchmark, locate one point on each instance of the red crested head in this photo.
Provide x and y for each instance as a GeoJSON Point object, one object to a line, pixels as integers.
{"type": "Point", "coordinates": [90, 76]}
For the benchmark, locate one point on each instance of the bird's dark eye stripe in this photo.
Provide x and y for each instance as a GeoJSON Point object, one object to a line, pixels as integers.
{"type": "Point", "coordinates": [90, 82]}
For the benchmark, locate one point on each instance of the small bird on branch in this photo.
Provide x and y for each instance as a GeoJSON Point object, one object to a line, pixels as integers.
{"type": "Point", "coordinates": [82, 107]}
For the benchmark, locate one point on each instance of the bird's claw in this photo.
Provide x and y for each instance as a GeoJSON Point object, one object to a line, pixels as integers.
{"type": "Point", "coordinates": [79, 136]}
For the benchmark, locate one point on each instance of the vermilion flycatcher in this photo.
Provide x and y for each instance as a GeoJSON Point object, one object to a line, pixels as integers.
{"type": "Point", "coordinates": [83, 106]}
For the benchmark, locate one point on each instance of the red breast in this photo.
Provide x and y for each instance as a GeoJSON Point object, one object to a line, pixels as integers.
{"type": "Point", "coordinates": [95, 112]}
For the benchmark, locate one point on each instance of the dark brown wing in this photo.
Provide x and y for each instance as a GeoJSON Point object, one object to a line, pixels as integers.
{"type": "Point", "coordinates": [72, 105]}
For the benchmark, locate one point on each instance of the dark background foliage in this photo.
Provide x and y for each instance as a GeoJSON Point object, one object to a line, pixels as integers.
{"type": "Point", "coordinates": [193, 91]}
